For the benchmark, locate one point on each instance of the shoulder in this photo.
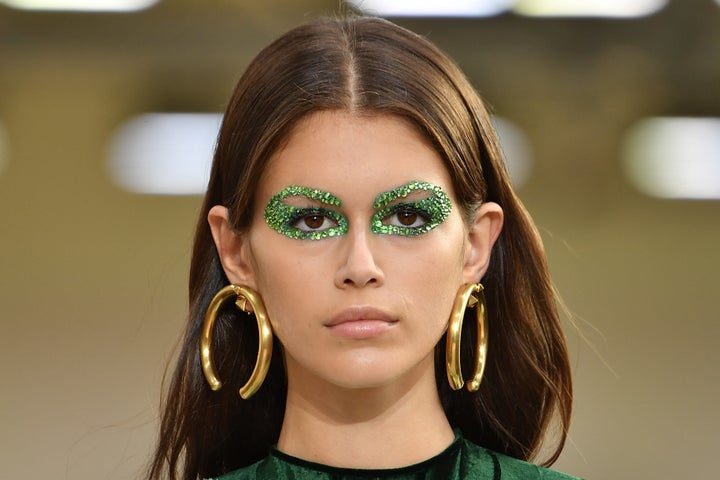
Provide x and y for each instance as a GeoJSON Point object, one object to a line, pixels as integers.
{"type": "Point", "coordinates": [509, 468]}
{"type": "Point", "coordinates": [251, 472]}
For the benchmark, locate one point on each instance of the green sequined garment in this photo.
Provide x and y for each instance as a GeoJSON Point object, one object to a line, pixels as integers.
{"type": "Point", "coordinates": [461, 460]}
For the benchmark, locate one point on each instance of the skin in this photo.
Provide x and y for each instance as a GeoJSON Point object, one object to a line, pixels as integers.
{"type": "Point", "coordinates": [360, 394]}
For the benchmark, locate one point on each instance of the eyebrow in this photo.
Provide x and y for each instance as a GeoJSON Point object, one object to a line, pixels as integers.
{"type": "Point", "coordinates": [308, 192]}
{"type": "Point", "coordinates": [403, 191]}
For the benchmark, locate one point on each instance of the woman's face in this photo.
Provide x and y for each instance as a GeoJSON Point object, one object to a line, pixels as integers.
{"type": "Point", "coordinates": [358, 248]}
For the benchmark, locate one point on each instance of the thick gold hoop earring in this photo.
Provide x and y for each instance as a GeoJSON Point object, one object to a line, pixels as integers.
{"type": "Point", "coordinates": [470, 295]}
{"type": "Point", "coordinates": [265, 338]}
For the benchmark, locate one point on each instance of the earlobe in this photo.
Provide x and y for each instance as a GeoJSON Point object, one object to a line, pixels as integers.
{"type": "Point", "coordinates": [232, 248]}
{"type": "Point", "coordinates": [482, 234]}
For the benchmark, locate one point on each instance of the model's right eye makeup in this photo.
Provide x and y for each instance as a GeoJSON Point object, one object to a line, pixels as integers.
{"type": "Point", "coordinates": [311, 219]}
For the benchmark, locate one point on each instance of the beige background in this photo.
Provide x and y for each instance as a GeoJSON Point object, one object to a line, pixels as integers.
{"type": "Point", "coordinates": [92, 279]}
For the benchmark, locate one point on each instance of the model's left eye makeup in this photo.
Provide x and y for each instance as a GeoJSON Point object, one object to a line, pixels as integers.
{"type": "Point", "coordinates": [410, 218]}
{"type": "Point", "coordinates": [311, 222]}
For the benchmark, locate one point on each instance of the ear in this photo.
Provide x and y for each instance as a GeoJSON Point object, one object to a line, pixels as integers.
{"type": "Point", "coordinates": [233, 248]}
{"type": "Point", "coordinates": [482, 234]}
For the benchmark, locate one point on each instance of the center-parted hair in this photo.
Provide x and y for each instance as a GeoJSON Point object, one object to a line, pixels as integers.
{"type": "Point", "coordinates": [367, 66]}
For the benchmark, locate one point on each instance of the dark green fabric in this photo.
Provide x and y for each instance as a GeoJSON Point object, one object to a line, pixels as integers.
{"type": "Point", "coordinates": [461, 460]}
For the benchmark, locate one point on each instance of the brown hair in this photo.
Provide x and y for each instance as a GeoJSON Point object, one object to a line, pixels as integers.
{"type": "Point", "coordinates": [366, 65]}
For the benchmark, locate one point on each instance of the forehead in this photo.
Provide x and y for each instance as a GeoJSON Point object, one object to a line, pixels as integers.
{"type": "Point", "coordinates": [349, 154]}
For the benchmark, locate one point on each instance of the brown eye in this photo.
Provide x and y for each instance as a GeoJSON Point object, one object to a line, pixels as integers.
{"type": "Point", "coordinates": [314, 221]}
{"type": "Point", "coordinates": [407, 217]}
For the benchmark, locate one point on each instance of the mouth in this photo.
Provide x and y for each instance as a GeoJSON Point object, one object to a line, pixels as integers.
{"type": "Point", "coordinates": [360, 322]}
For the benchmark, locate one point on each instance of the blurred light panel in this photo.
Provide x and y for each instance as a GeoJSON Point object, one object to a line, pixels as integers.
{"type": "Point", "coordinates": [517, 151]}
{"type": "Point", "coordinates": [674, 157]}
{"type": "Point", "coordinates": [81, 5]}
{"type": "Point", "coordinates": [433, 8]}
{"type": "Point", "coordinates": [164, 153]}
{"type": "Point", "coordinates": [588, 8]}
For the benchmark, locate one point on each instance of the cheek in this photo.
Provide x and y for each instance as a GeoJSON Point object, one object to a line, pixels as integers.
{"type": "Point", "coordinates": [288, 282]}
{"type": "Point", "coordinates": [430, 280]}
{"type": "Point", "coordinates": [439, 262]}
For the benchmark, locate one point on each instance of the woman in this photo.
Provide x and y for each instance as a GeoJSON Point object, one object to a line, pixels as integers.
{"type": "Point", "coordinates": [357, 200]}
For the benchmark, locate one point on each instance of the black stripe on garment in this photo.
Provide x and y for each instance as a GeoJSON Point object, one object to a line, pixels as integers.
{"type": "Point", "coordinates": [496, 466]}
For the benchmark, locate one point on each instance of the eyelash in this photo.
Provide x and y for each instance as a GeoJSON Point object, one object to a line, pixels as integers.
{"type": "Point", "coordinates": [379, 221]}
{"type": "Point", "coordinates": [296, 215]}
{"type": "Point", "coordinates": [406, 208]}
{"type": "Point", "coordinates": [424, 208]}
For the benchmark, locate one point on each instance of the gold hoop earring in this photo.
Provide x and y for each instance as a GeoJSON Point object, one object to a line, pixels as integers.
{"type": "Point", "coordinates": [265, 337]}
{"type": "Point", "coordinates": [470, 295]}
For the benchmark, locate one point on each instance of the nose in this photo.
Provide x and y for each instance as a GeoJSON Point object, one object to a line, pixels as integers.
{"type": "Point", "coordinates": [358, 267]}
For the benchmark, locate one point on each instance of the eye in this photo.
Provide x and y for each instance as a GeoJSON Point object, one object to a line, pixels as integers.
{"type": "Point", "coordinates": [313, 222]}
{"type": "Point", "coordinates": [406, 217]}
{"type": "Point", "coordinates": [410, 219]}
{"type": "Point", "coordinates": [305, 223]}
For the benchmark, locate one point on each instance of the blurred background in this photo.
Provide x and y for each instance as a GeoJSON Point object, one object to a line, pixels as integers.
{"type": "Point", "coordinates": [609, 120]}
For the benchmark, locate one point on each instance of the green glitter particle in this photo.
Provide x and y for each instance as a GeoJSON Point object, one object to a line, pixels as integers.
{"type": "Point", "coordinates": [435, 208]}
{"type": "Point", "coordinates": [311, 193]}
{"type": "Point", "coordinates": [282, 217]}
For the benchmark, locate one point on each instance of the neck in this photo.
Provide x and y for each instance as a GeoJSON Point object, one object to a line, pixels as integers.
{"type": "Point", "coordinates": [388, 426]}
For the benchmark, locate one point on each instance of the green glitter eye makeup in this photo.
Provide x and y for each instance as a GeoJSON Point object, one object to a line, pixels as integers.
{"type": "Point", "coordinates": [392, 217]}
{"type": "Point", "coordinates": [410, 218]}
{"type": "Point", "coordinates": [305, 223]}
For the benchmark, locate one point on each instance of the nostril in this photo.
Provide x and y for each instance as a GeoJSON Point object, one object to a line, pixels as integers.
{"type": "Point", "coordinates": [370, 281]}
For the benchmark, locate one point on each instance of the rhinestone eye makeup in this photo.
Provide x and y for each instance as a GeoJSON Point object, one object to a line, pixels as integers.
{"type": "Point", "coordinates": [305, 223]}
{"type": "Point", "coordinates": [410, 218]}
{"type": "Point", "coordinates": [391, 218]}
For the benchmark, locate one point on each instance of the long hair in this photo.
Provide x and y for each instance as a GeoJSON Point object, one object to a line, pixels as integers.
{"type": "Point", "coordinates": [368, 66]}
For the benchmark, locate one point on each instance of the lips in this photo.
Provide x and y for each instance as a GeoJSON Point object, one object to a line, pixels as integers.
{"type": "Point", "coordinates": [360, 322]}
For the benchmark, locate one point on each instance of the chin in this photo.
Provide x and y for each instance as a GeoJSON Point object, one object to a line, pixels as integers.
{"type": "Point", "coordinates": [363, 382]}
{"type": "Point", "coordinates": [377, 375]}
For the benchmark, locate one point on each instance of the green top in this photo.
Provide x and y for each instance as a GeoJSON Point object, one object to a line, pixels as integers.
{"type": "Point", "coordinates": [461, 460]}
